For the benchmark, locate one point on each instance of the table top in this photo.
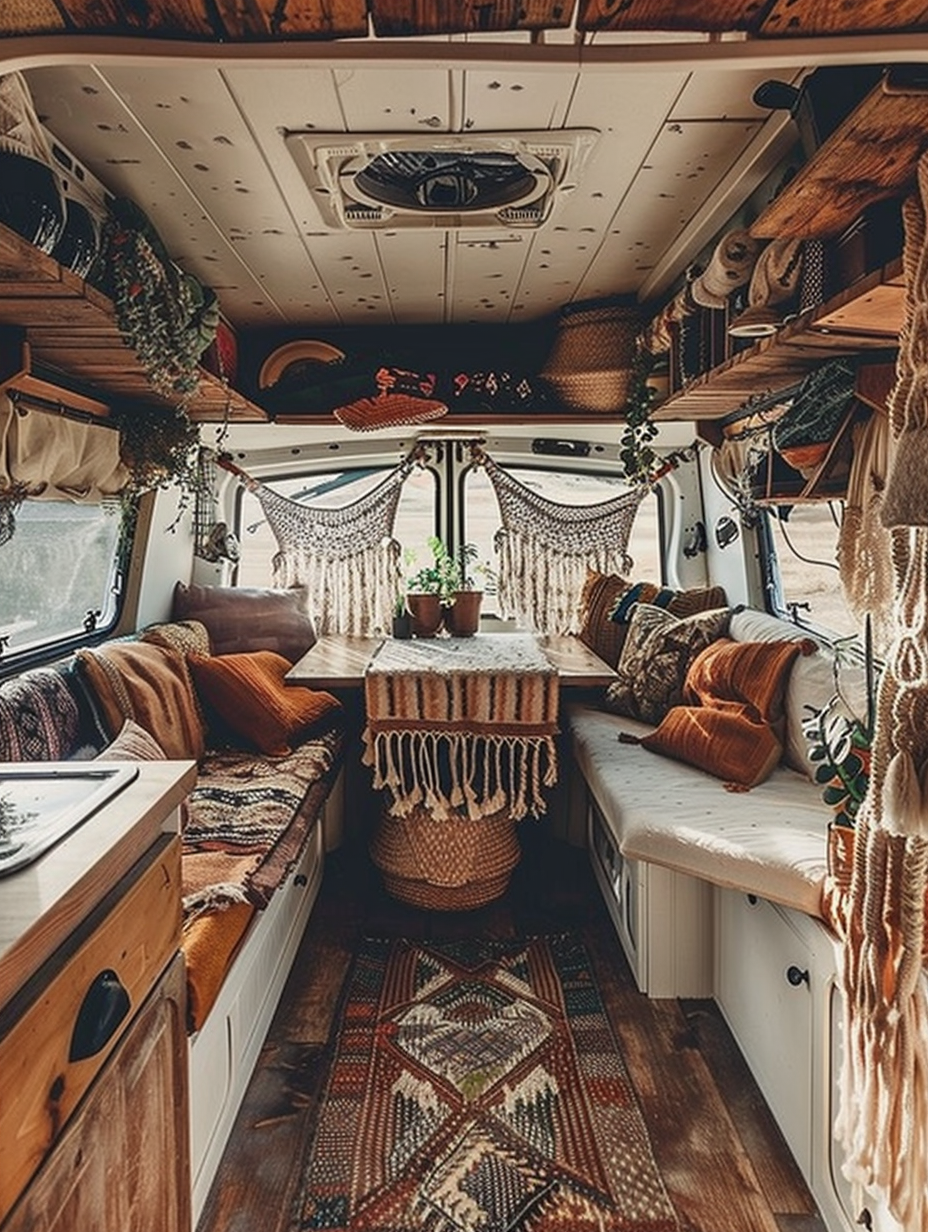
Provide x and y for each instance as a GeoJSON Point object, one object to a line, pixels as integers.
{"type": "Point", "coordinates": [339, 661]}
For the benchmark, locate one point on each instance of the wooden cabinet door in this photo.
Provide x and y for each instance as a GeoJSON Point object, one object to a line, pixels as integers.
{"type": "Point", "coordinates": [122, 1165]}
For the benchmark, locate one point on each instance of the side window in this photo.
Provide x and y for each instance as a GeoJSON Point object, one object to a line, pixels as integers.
{"type": "Point", "coordinates": [61, 575]}
{"type": "Point", "coordinates": [802, 563]}
{"type": "Point", "coordinates": [415, 515]}
{"type": "Point", "coordinates": [482, 516]}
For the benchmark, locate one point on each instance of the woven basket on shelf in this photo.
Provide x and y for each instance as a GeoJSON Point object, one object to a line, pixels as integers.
{"type": "Point", "coordinates": [590, 362]}
{"type": "Point", "coordinates": [452, 865]}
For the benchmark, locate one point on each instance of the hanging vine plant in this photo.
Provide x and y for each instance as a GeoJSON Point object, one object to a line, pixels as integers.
{"type": "Point", "coordinates": [638, 459]}
{"type": "Point", "coordinates": [168, 317]}
{"type": "Point", "coordinates": [160, 447]}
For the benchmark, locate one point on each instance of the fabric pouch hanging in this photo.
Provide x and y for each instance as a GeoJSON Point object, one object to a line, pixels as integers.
{"type": "Point", "coordinates": [806, 429]}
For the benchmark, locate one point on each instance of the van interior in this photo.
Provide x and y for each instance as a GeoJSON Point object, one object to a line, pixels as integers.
{"type": "Point", "coordinates": [463, 616]}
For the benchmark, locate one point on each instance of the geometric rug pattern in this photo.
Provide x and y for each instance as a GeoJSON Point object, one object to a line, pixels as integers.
{"type": "Point", "coordinates": [477, 1086]}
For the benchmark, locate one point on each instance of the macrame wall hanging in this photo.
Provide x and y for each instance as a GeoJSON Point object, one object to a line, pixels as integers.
{"type": "Point", "coordinates": [347, 557]}
{"type": "Point", "coordinates": [864, 558]}
{"type": "Point", "coordinates": [883, 1118]}
{"type": "Point", "coordinates": [547, 549]}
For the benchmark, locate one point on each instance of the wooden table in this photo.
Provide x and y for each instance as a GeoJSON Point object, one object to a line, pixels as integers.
{"type": "Point", "coordinates": [339, 661]}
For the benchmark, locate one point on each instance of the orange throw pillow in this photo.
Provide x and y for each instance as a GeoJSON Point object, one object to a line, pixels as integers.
{"type": "Point", "coordinates": [249, 692]}
{"type": "Point", "coordinates": [732, 729]}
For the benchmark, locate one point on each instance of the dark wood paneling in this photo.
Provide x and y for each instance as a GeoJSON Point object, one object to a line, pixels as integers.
{"type": "Point", "coordinates": [154, 17]}
{"type": "Point", "coordinates": [396, 18]}
{"type": "Point", "coordinates": [711, 15]}
{"type": "Point", "coordinates": [795, 17]}
{"type": "Point", "coordinates": [293, 18]}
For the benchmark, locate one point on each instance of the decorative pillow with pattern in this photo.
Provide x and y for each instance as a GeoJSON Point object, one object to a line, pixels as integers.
{"type": "Point", "coordinates": [39, 717]}
{"type": "Point", "coordinates": [656, 657]}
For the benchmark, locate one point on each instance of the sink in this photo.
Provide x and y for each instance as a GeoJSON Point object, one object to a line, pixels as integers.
{"type": "Point", "coordinates": [41, 802]}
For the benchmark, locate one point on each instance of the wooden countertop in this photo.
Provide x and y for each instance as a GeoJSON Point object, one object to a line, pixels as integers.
{"type": "Point", "coordinates": [339, 661]}
{"type": "Point", "coordinates": [42, 903]}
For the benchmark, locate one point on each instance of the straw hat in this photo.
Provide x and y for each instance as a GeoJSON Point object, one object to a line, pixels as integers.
{"type": "Point", "coordinates": [729, 268]}
{"type": "Point", "coordinates": [774, 284]}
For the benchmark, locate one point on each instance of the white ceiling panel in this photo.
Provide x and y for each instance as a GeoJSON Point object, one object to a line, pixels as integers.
{"type": "Point", "coordinates": [414, 268]}
{"type": "Point", "coordinates": [684, 164]}
{"type": "Point", "coordinates": [520, 98]}
{"type": "Point", "coordinates": [377, 100]}
{"type": "Point", "coordinates": [723, 94]}
{"type": "Point", "coordinates": [484, 274]}
{"type": "Point", "coordinates": [349, 266]}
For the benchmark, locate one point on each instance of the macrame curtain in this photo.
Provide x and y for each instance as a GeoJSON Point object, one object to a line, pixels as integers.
{"type": "Point", "coordinates": [347, 557]}
{"type": "Point", "coordinates": [883, 1117]}
{"type": "Point", "coordinates": [864, 558]}
{"type": "Point", "coordinates": [546, 549]}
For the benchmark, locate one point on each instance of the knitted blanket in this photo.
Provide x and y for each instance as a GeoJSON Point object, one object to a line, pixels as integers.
{"type": "Point", "coordinates": [462, 725]}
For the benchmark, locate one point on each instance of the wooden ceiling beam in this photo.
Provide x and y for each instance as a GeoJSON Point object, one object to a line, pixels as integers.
{"type": "Point", "coordinates": [711, 16]}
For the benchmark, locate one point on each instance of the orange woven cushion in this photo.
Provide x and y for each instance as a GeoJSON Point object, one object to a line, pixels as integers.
{"type": "Point", "coordinates": [388, 411]}
{"type": "Point", "coordinates": [249, 692]}
{"type": "Point", "coordinates": [732, 729]}
{"type": "Point", "coordinates": [724, 743]}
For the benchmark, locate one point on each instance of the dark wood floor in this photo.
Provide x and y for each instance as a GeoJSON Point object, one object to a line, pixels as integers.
{"type": "Point", "coordinates": [724, 1162]}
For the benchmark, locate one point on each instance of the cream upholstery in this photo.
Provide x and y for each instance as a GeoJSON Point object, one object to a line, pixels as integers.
{"type": "Point", "coordinates": [770, 841]}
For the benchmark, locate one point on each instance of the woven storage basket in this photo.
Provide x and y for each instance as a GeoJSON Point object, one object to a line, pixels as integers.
{"type": "Point", "coordinates": [590, 363]}
{"type": "Point", "coordinates": [452, 865]}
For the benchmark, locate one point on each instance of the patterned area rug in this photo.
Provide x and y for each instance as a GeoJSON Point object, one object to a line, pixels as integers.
{"type": "Point", "coordinates": [477, 1086]}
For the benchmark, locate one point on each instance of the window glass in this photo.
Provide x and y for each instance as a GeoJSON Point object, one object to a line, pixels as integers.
{"type": "Point", "coordinates": [482, 516]}
{"type": "Point", "coordinates": [415, 515]}
{"type": "Point", "coordinates": [805, 543]}
{"type": "Point", "coordinates": [59, 573]}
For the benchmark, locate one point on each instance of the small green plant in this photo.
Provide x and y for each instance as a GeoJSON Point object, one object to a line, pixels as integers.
{"type": "Point", "coordinates": [438, 578]}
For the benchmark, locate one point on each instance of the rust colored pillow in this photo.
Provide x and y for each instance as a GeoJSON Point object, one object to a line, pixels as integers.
{"type": "Point", "coordinates": [250, 695]}
{"type": "Point", "coordinates": [733, 728]}
{"type": "Point", "coordinates": [729, 744]}
{"type": "Point", "coordinates": [150, 685]}
{"type": "Point", "coordinates": [242, 618]}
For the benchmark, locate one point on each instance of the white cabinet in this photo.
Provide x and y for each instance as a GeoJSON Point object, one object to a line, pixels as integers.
{"type": "Point", "coordinates": [664, 919]}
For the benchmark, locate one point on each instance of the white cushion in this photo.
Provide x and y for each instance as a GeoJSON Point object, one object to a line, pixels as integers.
{"type": "Point", "coordinates": [770, 841]}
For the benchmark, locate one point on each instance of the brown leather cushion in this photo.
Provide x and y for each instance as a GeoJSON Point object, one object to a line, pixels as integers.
{"type": "Point", "coordinates": [249, 692]}
{"type": "Point", "coordinates": [240, 619]}
{"type": "Point", "coordinates": [732, 728]}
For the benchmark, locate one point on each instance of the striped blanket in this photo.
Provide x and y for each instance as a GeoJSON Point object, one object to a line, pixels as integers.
{"type": "Point", "coordinates": [462, 726]}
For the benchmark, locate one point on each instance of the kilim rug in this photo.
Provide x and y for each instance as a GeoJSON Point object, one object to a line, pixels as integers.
{"type": "Point", "coordinates": [477, 1086]}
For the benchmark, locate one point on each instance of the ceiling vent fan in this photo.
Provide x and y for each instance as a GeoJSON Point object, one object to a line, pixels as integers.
{"type": "Point", "coordinates": [456, 180]}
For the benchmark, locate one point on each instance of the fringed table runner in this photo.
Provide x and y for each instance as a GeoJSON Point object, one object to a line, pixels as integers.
{"type": "Point", "coordinates": [546, 550]}
{"type": "Point", "coordinates": [462, 726]}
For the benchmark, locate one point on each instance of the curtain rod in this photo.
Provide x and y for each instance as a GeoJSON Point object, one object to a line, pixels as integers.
{"type": "Point", "coordinates": [34, 403]}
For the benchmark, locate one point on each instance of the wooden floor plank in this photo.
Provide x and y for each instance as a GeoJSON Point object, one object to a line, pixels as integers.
{"type": "Point", "coordinates": [725, 1165]}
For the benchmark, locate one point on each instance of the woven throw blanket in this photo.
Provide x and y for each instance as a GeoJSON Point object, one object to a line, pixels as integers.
{"type": "Point", "coordinates": [462, 725]}
{"type": "Point", "coordinates": [247, 823]}
{"type": "Point", "coordinates": [478, 1086]}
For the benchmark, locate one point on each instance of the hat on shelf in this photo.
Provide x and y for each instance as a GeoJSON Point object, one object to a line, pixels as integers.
{"type": "Point", "coordinates": [729, 268]}
{"type": "Point", "coordinates": [774, 284]}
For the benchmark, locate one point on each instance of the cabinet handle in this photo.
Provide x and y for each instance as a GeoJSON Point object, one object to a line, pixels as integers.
{"type": "Point", "coordinates": [105, 1005]}
{"type": "Point", "coordinates": [300, 879]}
{"type": "Point", "coordinates": [796, 976]}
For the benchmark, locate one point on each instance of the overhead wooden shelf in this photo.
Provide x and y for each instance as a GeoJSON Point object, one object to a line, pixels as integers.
{"type": "Point", "coordinates": [71, 329]}
{"type": "Point", "coordinates": [865, 317]}
{"type": "Point", "coordinates": [872, 155]}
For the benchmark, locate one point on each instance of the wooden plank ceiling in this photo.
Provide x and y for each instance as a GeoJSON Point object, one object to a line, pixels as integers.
{"type": "Point", "coordinates": [230, 20]}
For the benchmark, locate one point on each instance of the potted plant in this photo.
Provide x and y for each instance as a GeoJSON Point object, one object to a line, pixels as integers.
{"type": "Point", "coordinates": [429, 590]}
{"type": "Point", "coordinates": [462, 618]}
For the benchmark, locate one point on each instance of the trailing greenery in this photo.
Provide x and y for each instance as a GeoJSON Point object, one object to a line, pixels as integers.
{"type": "Point", "coordinates": [638, 459]}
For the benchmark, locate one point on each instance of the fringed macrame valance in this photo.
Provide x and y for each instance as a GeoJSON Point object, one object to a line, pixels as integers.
{"type": "Point", "coordinates": [863, 542]}
{"type": "Point", "coordinates": [347, 557]}
{"type": "Point", "coordinates": [883, 1118]}
{"type": "Point", "coordinates": [546, 549]}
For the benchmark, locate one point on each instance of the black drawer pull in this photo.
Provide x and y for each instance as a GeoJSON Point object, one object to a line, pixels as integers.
{"type": "Point", "coordinates": [300, 879]}
{"type": "Point", "coordinates": [105, 1005]}
{"type": "Point", "coordinates": [796, 976]}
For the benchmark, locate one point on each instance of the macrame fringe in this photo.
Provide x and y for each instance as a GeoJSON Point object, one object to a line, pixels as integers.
{"type": "Point", "coordinates": [863, 549]}
{"type": "Point", "coordinates": [352, 595]}
{"type": "Point", "coordinates": [451, 774]}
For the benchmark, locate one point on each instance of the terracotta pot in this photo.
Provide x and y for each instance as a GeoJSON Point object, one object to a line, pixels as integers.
{"type": "Point", "coordinates": [462, 619]}
{"type": "Point", "coordinates": [426, 612]}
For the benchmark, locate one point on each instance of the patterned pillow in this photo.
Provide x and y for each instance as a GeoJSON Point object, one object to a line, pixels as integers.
{"type": "Point", "coordinates": [656, 657]}
{"type": "Point", "coordinates": [184, 636]}
{"type": "Point", "coordinates": [39, 717]}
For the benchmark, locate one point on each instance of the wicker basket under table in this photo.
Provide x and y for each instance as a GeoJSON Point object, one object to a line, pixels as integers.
{"type": "Point", "coordinates": [451, 865]}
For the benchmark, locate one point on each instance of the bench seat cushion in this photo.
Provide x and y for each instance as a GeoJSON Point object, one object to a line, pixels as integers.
{"type": "Point", "coordinates": [770, 841]}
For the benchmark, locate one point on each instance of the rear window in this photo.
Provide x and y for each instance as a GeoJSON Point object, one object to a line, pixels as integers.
{"type": "Point", "coordinates": [807, 585]}
{"type": "Point", "coordinates": [61, 576]}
